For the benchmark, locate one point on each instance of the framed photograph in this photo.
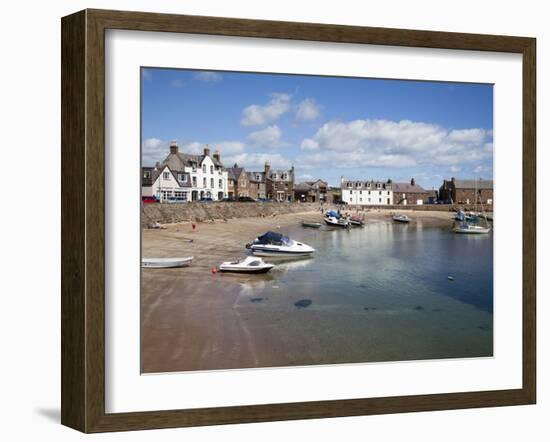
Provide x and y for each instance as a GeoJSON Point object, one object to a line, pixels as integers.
{"type": "Point", "coordinates": [270, 220]}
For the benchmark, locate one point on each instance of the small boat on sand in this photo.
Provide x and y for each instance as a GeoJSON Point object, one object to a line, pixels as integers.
{"type": "Point", "coordinates": [471, 229]}
{"type": "Point", "coordinates": [250, 264]}
{"type": "Point", "coordinates": [356, 221]}
{"type": "Point", "coordinates": [276, 244]}
{"type": "Point", "coordinates": [165, 263]}
{"type": "Point", "coordinates": [311, 225]}
{"type": "Point", "coordinates": [336, 222]}
{"type": "Point", "coordinates": [401, 218]}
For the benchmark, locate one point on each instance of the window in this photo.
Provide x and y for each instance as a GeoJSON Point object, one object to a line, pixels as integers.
{"type": "Point", "coordinates": [183, 178]}
{"type": "Point", "coordinates": [369, 194]}
{"type": "Point", "coordinates": [258, 177]}
{"type": "Point", "coordinates": [194, 181]}
{"type": "Point", "coordinates": [357, 184]}
{"type": "Point", "coordinates": [379, 200]}
{"type": "Point", "coordinates": [378, 185]}
{"type": "Point", "coordinates": [212, 170]}
{"type": "Point", "coordinates": [212, 182]}
{"type": "Point", "coordinates": [379, 192]}
{"type": "Point", "coordinates": [388, 192]}
{"type": "Point", "coordinates": [166, 175]}
{"type": "Point", "coordinates": [204, 182]}
{"type": "Point", "coordinates": [368, 185]}
{"type": "Point", "coordinates": [350, 184]}
{"type": "Point", "coordinates": [220, 183]}
{"type": "Point", "coordinates": [146, 174]}
{"type": "Point", "coordinates": [194, 167]}
{"type": "Point", "coordinates": [204, 168]}
{"type": "Point", "coordinates": [274, 176]}
{"type": "Point", "coordinates": [360, 192]}
{"type": "Point", "coordinates": [285, 176]}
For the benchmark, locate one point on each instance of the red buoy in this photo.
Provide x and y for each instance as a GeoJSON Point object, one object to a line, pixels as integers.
{"type": "Point", "coordinates": [214, 270]}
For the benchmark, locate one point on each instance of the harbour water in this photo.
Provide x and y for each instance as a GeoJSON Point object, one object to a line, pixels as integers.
{"type": "Point", "coordinates": [384, 292]}
{"type": "Point", "coordinates": [387, 291]}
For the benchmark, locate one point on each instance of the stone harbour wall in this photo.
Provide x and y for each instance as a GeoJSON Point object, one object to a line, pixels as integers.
{"type": "Point", "coordinates": [179, 212]}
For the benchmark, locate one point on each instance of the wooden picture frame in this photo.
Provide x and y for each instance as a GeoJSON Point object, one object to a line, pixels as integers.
{"type": "Point", "coordinates": [83, 220]}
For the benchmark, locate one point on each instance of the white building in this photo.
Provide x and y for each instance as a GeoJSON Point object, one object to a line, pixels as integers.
{"type": "Point", "coordinates": [367, 193]}
{"type": "Point", "coordinates": [186, 177]}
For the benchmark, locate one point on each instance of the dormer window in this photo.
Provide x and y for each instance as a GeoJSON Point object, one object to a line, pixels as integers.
{"type": "Point", "coordinates": [350, 185]}
{"type": "Point", "coordinates": [368, 185]}
{"type": "Point", "coordinates": [285, 176]}
{"type": "Point", "coordinates": [274, 176]}
{"type": "Point", "coordinates": [378, 185]}
{"type": "Point", "coordinates": [166, 175]}
{"type": "Point", "coordinates": [258, 178]}
{"type": "Point", "coordinates": [183, 178]}
{"type": "Point", "coordinates": [357, 184]}
{"type": "Point", "coordinates": [146, 174]}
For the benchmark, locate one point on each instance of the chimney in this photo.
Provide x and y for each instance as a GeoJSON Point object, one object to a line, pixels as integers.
{"type": "Point", "coordinates": [267, 168]}
{"type": "Point", "coordinates": [413, 182]}
{"type": "Point", "coordinates": [174, 147]}
{"type": "Point", "coordinates": [217, 156]}
{"type": "Point", "coordinates": [206, 151]}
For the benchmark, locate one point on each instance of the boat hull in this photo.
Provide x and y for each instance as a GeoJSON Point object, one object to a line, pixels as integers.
{"type": "Point", "coordinates": [287, 254]}
{"type": "Point", "coordinates": [336, 223]}
{"type": "Point", "coordinates": [311, 225]}
{"type": "Point", "coordinates": [165, 263]}
{"type": "Point", "coordinates": [245, 270]}
{"type": "Point", "coordinates": [472, 231]}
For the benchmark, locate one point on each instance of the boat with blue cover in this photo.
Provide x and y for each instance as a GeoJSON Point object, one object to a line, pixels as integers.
{"type": "Point", "coordinates": [277, 244]}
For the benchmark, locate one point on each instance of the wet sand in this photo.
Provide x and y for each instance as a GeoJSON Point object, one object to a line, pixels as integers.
{"type": "Point", "coordinates": [193, 319]}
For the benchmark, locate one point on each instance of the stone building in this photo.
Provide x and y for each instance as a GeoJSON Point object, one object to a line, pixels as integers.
{"type": "Point", "coordinates": [237, 182]}
{"type": "Point", "coordinates": [457, 191]}
{"type": "Point", "coordinates": [279, 184]}
{"type": "Point", "coordinates": [256, 185]}
{"type": "Point", "coordinates": [311, 191]}
{"type": "Point", "coordinates": [367, 193]}
{"type": "Point", "coordinates": [410, 194]}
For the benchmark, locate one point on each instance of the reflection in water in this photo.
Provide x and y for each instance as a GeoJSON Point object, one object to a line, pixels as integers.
{"type": "Point", "coordinates": [390, 283]}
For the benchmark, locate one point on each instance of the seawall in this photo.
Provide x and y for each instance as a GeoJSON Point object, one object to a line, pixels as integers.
{"type": "Point", "coordinates": [175, 213]}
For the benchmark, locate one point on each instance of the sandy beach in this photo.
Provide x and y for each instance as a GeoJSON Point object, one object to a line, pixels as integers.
{"type": "Point", "coordinates": [194, 319]}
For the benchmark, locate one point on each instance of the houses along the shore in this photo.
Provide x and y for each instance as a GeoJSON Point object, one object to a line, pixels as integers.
{"type": "Point", "coordinates": [459, 191]}
{"type": "Point", "coordinates": [311, 191]}
{"type": "Point", "coordinates": [367, 193]}
{"type": "Point", "coordinates": [186, 177]}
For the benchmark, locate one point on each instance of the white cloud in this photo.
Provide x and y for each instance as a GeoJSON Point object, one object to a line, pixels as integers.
{"type": "Point", "coordinates": [305, 177]}
{"type": "Point", "coordinates": [176, 83]}
{"type": "Point", "coordinates": [153, 150]}
{"type": "Point", "coordinates": [208, 77]}
{"type": "Point", "coordinates": [256, 161]}
{"type": "Point", "coordinates": [269, 137]}
{"type": "Point", "coordinates": [307, 110]}
{"type": "Point", "coordinates": [455, 169]}
{"type": "Point", "coordinates": [309, 144]}
{"type": "Point", "coordinates": [397, 144]}
{"type": "Point", "coordinates": [256, 115]}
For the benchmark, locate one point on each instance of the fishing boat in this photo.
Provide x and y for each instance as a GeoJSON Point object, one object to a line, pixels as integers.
{"type": "Point", "coordinates": [470, 229]}
{"type": "Point", "coordinates": [356, 221]}
{"type": "Point", "coordinates": [165, 263]}
{"type": "Point", "coordinates": [310, 224]}
{"type": "Point", "coordinates": [276, 244]}
{"type": "Point", "coordinates": [333, 218]}
{"type": "Point", "coordinates": [250, 264]}
{"type": "Point", "coordinates": [401, 218]}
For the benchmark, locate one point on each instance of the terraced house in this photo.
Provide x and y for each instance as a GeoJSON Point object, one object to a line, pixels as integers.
{"type": "Point", "coordinates": [279, 184]}
{"type": "Point", "coordinates": [367, 193]}
{"type": "Point", "coordinates": [186, 177]}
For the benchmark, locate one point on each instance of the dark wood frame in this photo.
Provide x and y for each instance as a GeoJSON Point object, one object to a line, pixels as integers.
{"type": "Point", "coordinates": [83, 216]}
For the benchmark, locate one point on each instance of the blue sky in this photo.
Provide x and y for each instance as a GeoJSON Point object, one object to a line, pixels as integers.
{"type": "Point", "coordinates": [327, 127]}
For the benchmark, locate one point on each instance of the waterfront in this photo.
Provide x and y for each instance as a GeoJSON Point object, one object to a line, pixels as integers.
{"type": "Point", "coordinates": [380, 293]}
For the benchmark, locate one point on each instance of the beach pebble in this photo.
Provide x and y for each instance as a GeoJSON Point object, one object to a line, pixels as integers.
{"type": "Point", "coordinates": [303, 303]}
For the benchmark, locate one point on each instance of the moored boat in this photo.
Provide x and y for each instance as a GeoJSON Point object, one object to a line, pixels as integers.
{"type": "Point", "coordinates": [401, 218]}
{"type": "Point", "coordinates": [336, 222]}
{"type": "Point", "coordinates": [250, 264]}
{"type": "Point", "coordinates": [276, 244]}
{"type": "Point", "coordinates": [165, 263]}
{"type": "Point", "coordinates": [471, 229]}
{"type": "Point", "coordinates": [356, 221]}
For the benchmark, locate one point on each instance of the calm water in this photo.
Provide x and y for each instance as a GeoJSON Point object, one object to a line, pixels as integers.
{"type": "Point", "coordinates": [382, 293]}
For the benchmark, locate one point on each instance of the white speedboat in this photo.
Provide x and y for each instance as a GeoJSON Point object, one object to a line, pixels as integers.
{"type": "Point", "coordinates": [336, 222]}
{"type": "Point", "coordinates": [165, 263]}
{"type": "Point", "coordinates": [401, 218]}
{"type": "Point", "coordinates": [276, 244]}
{"type": "Point", "coordinates": [471, 229]}
{"type": "Point", "coordinates": [250, 264]}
